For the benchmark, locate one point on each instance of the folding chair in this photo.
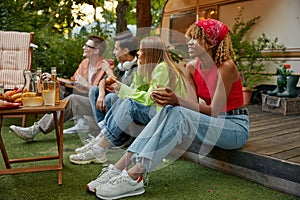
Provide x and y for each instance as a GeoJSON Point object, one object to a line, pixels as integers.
{"type": "Point", "coordinates": [16, 50]}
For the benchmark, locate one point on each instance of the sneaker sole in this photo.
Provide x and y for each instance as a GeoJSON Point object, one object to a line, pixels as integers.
{"type": "Point", "coordinates": [86, 162]}
{"type": "Point", "coordinates": [132, 193]}
{"type": "Point", "coordinates": [77, 131]}
{"type": "Point", "coordinates": [17, 133]}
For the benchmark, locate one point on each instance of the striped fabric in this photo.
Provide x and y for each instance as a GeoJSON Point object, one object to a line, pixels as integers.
{"type": "Point", "coordinates": [15, 57]}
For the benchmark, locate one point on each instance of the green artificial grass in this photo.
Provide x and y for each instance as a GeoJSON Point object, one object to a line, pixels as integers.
{"type": "Point", "coordinates": [180, 180]}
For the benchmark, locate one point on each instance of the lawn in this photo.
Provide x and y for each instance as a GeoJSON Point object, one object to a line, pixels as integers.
{"type": "Point", "coordinates": [180, 180]}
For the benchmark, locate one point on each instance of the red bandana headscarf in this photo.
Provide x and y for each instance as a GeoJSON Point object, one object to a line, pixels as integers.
{"type": "Point", "coordinates": [214, 29]}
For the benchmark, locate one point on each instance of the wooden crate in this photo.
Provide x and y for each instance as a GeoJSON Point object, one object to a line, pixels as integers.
{"type": "Point", "coordinates": [285, 106]}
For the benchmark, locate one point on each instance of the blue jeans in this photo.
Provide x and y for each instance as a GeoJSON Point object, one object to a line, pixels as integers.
{"type": "Point", "coordinates": [109, 100]}
{"type": "Point", "coordinates": [126, 118]}
{"type": "Point", "coordinates": [178, 125]}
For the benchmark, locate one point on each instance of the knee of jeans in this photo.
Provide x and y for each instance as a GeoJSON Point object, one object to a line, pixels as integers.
{"type": "Point", "coordinates": [131, 107]}
{"type": "Point", "coordinates": [170, 108]}
{"type": "Point", "coordinates": [109, 99]}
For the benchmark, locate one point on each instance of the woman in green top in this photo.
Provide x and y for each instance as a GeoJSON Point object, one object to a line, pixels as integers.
{"type": "Point", "coordinates": [135, 106]}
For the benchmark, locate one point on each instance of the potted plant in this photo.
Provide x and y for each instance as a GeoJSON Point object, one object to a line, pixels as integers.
{"type": "Point", "coordinates": [251, 56]}
{"type": "Point", "coordinates": [281, 72]}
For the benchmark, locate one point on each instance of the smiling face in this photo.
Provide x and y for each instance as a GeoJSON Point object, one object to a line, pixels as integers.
{"type": "Point", "coordinates": [88, 48]}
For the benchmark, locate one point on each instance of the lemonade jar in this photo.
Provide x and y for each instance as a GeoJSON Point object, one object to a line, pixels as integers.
{"type": "Point", "coordinates": [30, 92]}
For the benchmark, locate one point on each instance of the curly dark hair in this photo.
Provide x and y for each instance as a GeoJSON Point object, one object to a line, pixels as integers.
{"type": "Point", "coordinates": [221, 52]}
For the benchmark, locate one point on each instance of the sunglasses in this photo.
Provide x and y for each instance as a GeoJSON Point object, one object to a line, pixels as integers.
{"type": "Point", "coordinates": [86, 45]}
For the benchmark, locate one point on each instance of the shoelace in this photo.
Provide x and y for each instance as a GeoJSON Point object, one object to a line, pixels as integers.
{"type": "Point", "coordinates": [120, 178]}
{"type": "Point", "coordinates": [90, 139]}
{"type": "Point", "coordinates": [32, 128]}
{"type": "Point", "coordinates": [102, 172]}
{"type": "Point", "coordinates": [146, 179]}
{"type": "Point", "coordinates": [116, 179]}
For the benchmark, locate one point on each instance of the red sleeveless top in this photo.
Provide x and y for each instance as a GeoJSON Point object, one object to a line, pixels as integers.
{"type": "Point", "coordinates": [206, 81]}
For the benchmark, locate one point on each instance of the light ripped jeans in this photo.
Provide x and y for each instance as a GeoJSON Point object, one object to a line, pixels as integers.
{"type": "Point", "coordinates": [178, 125]}
{"type": "Point", "coordinates": [125, 118]}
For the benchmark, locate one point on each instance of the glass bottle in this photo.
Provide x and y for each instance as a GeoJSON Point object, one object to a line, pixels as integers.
{"type": "Point", "coordinates": [57, 88]}
{"type": "Point", "coordinates": [39, 82]}
{"type": "Point", "coordinates": [1, 89]}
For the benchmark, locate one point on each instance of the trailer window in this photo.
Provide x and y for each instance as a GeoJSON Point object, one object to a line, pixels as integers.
{"type": "Point", "coordinates": [179, 23]}
{"type": "Point", "coordinates": [206, 13]}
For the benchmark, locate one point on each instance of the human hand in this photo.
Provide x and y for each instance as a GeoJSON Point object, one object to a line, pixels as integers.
{"type": "Point", "coordinates": [100, 102]}
{"type": "Point", "coordinates": [46, 76]}
{"type": "Point", "coordinates": [164, 96]}
{"type": "Point", "coordinates": [114, 87]}
{"type": "Point", "coordinates": [79, 80]}
{"type": "Point", "coordinates": [107, 67]}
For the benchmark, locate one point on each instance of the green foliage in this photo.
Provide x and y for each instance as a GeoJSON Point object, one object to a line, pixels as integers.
{"type": "Point", "coordinates": [175, 55]}
{"type": "Point", "coordinates": [251, 56]}
{"type": "Point", "coordinates": [284, 70]}
{"type": "Point", "coordinates": [52, 23]}
{"type": "Point", "coordinates": [156, 11]}
{"type": "Point", "coordinates": [25, 15]}
{"type": "Point", "coordinates": [58, 51]}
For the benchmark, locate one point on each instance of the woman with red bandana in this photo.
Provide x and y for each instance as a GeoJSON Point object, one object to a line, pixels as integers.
{"type": "Point", "coordinates": [221, 121]}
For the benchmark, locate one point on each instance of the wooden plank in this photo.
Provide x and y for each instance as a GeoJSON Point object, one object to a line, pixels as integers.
{"type": "Point", "coordinates": [260, 163]}
{"type": "Point", "coordinates": [271, 156]}
{"type": "Point", "coordinates": [269, 180]}
{"type": "Point", "coordinates": [30, 169]}
{"type": "Point", "coordinates": [295, 160]}
{"type": "Point", "coordinates": [271, 119]}
{"type": "Point", "coordinates": [274, 145]}
{"type": "Point", "coordinates": [38, 109]}
{"type": "Point", "coordinates": [291, 153]}
{"type": "Point", "coordinates": [19, 160]}
{"type": "Point", "coordinates": [260, 135]}
{"type": "Point", "coordinates": [284, 122]}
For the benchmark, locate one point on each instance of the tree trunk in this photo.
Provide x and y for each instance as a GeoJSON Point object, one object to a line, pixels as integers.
{"type": "Point", "coordinates": [121, 16]}
{"type": "Point", "coordinates": [143, 17]}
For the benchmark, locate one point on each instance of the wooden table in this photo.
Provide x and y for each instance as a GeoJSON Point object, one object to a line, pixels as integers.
{"type": "Point", "coordinates": [59, 138]}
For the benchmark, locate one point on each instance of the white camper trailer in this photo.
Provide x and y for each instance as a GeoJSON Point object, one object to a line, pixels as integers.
{"type": "Point", "coordinates": [278, 19]}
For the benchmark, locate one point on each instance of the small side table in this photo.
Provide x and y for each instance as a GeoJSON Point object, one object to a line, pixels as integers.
{"type": "Point", "coordinates": [59, 138]}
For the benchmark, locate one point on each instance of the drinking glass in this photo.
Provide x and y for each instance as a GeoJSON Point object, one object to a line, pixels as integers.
{"type": "Point", "coordinates": [49, 93]}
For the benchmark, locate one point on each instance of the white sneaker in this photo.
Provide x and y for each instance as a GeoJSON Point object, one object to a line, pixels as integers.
{"type": "Point", "coordinates": [105, 175]}
{"type": "Point", "coordinates": [82, 125]}
{"type": "Point", "coordinates": [87, 146]}
{"type": "Point", "coordinates": [120, 186]}
{"type": "Point", "coordinates": [90, 156]}
{"type": "Point", "coordinates": [27, 133]}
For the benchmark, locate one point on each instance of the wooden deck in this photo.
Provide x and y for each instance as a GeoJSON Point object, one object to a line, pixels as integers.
{"type": "Point", "coordinates": [271, 156]}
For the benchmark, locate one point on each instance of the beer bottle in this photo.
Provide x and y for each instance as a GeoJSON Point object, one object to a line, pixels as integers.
{"type": "Point", "coordinates": [57, 88]}
{"type": "Point", "coordinates": [39, 81]}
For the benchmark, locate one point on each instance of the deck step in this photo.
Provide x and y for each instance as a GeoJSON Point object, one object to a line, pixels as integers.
{"type": "Point", "coordinates": [268, 171]}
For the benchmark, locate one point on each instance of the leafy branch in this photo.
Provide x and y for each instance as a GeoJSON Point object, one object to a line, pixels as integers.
{"type": "Point", "coordinates": [251, 56]}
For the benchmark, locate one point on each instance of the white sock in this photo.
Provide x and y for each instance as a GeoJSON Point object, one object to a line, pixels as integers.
{"type": "Point", "coordinates": [96, 147]}
{"type": "Point", "coordinates": [97, 138]}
